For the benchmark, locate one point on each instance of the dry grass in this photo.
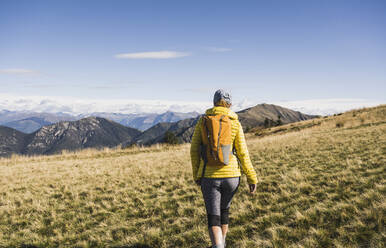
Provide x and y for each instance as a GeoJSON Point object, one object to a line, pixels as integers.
{"type": "Point", "coordinates": [320, 186]}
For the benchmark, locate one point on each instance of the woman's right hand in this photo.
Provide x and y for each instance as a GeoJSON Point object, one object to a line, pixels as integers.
{"type": "Point", "coordinates": [252, 188]}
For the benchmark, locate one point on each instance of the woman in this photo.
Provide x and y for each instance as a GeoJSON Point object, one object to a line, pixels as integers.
{"type": "Point", "coordinates": [220, 182]}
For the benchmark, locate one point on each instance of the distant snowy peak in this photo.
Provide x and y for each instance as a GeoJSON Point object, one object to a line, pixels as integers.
{"type": "Point", "coordinates": [144, 121]}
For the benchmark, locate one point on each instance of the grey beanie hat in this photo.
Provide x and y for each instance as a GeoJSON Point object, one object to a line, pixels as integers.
{"type": "Point", "coordinates": [222, 94]}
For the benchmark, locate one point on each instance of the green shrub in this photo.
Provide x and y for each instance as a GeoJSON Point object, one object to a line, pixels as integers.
{"type": "Point", "coordinates": [170, 138]}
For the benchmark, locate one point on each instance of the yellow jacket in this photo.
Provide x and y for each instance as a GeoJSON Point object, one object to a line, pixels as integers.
{"type": "Point", "coordinates": [238, 138]}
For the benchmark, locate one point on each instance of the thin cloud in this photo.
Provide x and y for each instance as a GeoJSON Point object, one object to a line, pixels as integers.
{"type": "Point", "coordinates": [218, 49]}
{"type": "Point", "coordinates": [17, 71]}
{"type": "Point", "coordinates": [153, 55]}
{"type": "Point", "coordinates": [329, 106]}
{"type": "Point", "coordinates": [76, 105]}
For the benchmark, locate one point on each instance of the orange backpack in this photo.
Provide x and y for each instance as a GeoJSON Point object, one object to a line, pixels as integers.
{"type": "Point", "coordinates": [217, 140]}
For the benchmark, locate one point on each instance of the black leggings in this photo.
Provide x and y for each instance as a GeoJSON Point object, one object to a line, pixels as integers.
{"type": "Point", "coordinates": [218, 194]}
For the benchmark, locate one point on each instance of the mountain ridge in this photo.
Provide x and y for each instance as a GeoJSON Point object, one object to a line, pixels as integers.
{"type": "Point", "coordinates": [88, 132]}
{"type": "Point", "coordinates": [100, 132]}
{"type": "Point", "coordinates": [257, 115]}
{"type": "Point", "coordinates": [28, 122]}
{"type": "Point", "coordinates": [251, 117]}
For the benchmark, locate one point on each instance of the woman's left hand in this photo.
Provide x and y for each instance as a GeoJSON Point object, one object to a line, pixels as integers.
{"type": "Point", "coordinates": [252, 188]}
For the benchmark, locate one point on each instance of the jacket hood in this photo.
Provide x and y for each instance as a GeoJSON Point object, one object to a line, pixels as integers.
{"type": "Point", "coordinates": [218, 110]}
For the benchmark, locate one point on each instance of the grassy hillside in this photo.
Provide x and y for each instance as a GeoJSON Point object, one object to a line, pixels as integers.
{"type": "Point", "coordinates": [322, 184]}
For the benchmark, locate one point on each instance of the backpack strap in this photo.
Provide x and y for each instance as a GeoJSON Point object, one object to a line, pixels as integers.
{"type": "Point", "coordinates": [203, 147]}
{"type": "Point", "coordinates": [208, 137]}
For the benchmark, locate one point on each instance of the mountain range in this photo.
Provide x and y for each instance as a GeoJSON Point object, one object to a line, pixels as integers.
{"type": "Point", "coordinates": [249, 118]}
{"type": "Point", "coordinates": [257, 115]}
{"type": "Point", "coordinates": [98, 132]}
{"type": "Point", "coordinates": [93, 132]}
{"type": "Point", "coordinates": [29, 122]}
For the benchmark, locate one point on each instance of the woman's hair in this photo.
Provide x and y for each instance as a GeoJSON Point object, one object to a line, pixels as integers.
{"type": "Point", "coordinates": [223, 103]}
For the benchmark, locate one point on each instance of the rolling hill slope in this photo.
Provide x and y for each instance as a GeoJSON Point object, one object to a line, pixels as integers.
{"type": "Point", "coordinates": [257, 115]}
{"type": "Point", "coordinates": [321, 184]}
{"type": "Point", "coordinates": [100, 132]}
{"type": "Point", "coordinates": [249, 118]}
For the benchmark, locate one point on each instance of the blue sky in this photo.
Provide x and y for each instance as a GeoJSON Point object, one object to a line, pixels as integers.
{"type": "Point", "coordinates": [263, 51]}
